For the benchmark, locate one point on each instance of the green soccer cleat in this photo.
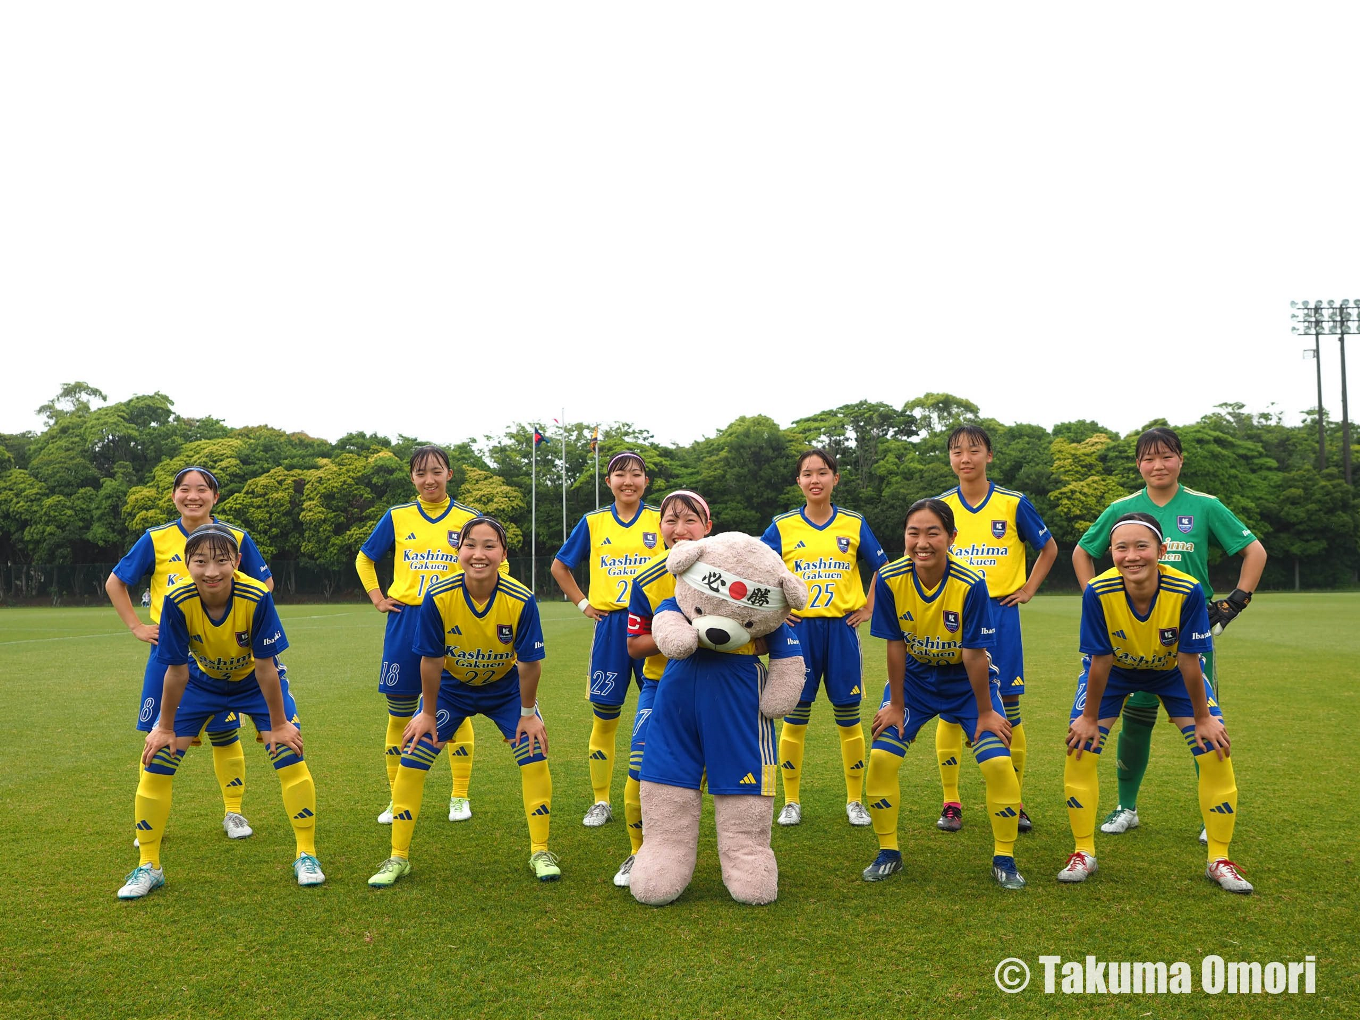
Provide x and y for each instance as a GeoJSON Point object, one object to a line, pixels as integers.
{"type": "Point", "coordinates": [1005, 873]}
{"type": "Point", "coordinates": [308, 870]}
{"type": "Point", "coordinates": [389, 871]}
{"type": "Point", "coordinates": [460, 809]}
{"type": "Point", "coordinates": [386, 817]}
{"type": "Point", "coordinates": [141, 881]}
{"type": "Point", "coordinates": [544, 866]}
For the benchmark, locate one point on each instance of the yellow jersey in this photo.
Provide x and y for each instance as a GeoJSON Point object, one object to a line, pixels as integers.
{"type": "Point", "coordinates": [479, 644]}
{"type": "Point", "coordinates": [936, 624]}
{"type": "Point", "coordinates": [617, 551]}
{"type": "Point", "coordinates": [826, 557]}
{"type": "Point", "coordinates": [423, 540]}
{"type": "Point", "coordinates": [160, 553]}
{"type": "Point", "coordinates": [1176, 621]}
{"type": "Point", "coordinates": [223, 649]}
{"type": "Point", "coordinates": [992, 536]}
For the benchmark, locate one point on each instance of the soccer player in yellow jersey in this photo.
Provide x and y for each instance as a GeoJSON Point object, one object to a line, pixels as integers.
{"type": "Point", "coordinates": [423, 539]}
{"type": "Point", "coordinates": [823, 544]}
{"type": "Point", "coordinates": [481, 650]}
{"type": "Point", "coordinates": [936, 616]}
{"type": "Point", "coordinates": [684, 518]}
{"type": "Point", "coordinates": [1144, 627]}
{"type": "Point", "coordinates": [618, 542]}
{"type": "Point", "coordinates": [160, 553]}
{"type": "Point", "coordinates": [994, 526]}
{"type": "Point", "coordinates": [219, 643]}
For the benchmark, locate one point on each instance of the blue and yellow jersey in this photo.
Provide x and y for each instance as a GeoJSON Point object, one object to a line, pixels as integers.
{"type": "Point", "coordinates": [992, 536]}
{"type": "Point", "coordinates": [224, 648]}
{"type": "Point", "coordinates": [160, 553]}
{"type": "Point", "coordinates": [1177, 621]}
{"type": "Point", "coordinates": [480, 644]}
{"type": "Point", "coordinates": [937, 625]}
{"type": "Point", "coordinates": [827, 557]}
{"type": "Point", "coordinates": [423, 538]}
{"type": "Point", "coordinates": [617, 550]}
{"type": "Point", "coordinates": [650, 588]}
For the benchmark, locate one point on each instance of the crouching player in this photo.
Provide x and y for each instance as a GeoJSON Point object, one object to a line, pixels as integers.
{"type": "Point", "coordinates": [1144, 626]}
{"type": "Point", "coordinates": [936, 616]}
{"type": "Point", "coordinates": [481, 651]}
{"type": "Point", "coordinates": [219, 641]}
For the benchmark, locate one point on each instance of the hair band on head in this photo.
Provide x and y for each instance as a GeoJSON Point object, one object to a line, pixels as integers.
{"type": "Point", "coordinates": [620, 456]}
{"type": "Point", "coordinates": [201, 470]}
{"type": "Point", "coordinates": [694, 496]}
{"type": "Point", "coordinates": [1150, 525]}
{"type": "Point", "coordinates": [495, 524]}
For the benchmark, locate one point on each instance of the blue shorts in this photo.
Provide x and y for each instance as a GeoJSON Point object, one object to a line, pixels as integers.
{"type": "Point", "coordinates": [831, 650]}
{"type": "Point", "coordinates": [400, 676]}
{"type": "Point", "coordinates": [706, 716]}
{"type": "Point", "coordinates": [641, 720]}
{"type": "Point", "coordinates": [1168, 686]}
{"type": "Point", "coordinates": [955, 705]}
{"type": "Point", "coordinates": [153, 686]}
{"type": "Point", "coordinates": [1008, 654]}
{"type": "Point", "coordinates": [228, 700]}
{"type": "Point", "coordinates": [611, 667]}
{"type": "Point", "coordinates": [498, 701]}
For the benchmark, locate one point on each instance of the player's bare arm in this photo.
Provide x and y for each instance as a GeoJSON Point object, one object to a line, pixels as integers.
{"type": "Point", "coordinates": [1043, 563]}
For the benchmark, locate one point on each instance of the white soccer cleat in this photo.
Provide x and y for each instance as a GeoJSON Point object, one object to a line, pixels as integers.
{"type": "Point", "coordinates": [623, 878]}
{"type": "Point", "coordinates": [1225, 873]}
{"type": "Point", "coordinates": [1203, 837]}
{"type": "Point", "coordinates": [236, 826]}
{"type": "Point", "coordinates": [460, 809]}
{"type": "Point", "coordinates": [600, 812]}
{"type": "Point", "coordinates": [308, 870]}
{"type": "Point", "coordinates": [386, 817]}
{"type": "Point", "coordinates": [1079, 865]}
{"type": "Point", "coordinates": [1119, 820]}
{"type": "Point", "coordinates": [793, 813]}
{"type": "Point", "coordinates": [857, 814]}
{"type": "Point", "coordinates": [136, 843]}
{"type": "Point", "coordinates": [140, 881]}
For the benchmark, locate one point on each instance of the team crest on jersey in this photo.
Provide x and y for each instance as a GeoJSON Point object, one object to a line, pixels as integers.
{"type": "Point", "coordinates": [1186, 522]}
{"type": "Point", "coordinates": [843, 543]}
{"type": "Point", "coordinates": [1169, 635]}
{"type": "Point", "coordinates": [505, 632]}
{"type": "Point", "coordinates": [453, 538]}
{"type": "Point", "coordinates": [243, 638]}
{"type": "Point", "coordinates": [649, 539]}
{"type": "Point", "coordinates": [998, 529]}
{"type": "Point", "coordinates": [951, 620]}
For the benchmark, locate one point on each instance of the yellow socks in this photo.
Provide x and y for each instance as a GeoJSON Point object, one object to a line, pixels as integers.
{"type": "Point", "coordinates": [1217, 799]}
{"type": "Point", "coordinates": [152, 807]}
{"type": "Point", "coordinates": [536, 787]}
{"type": "Point", "coordinates": [852, 749]}
{"type": "Point", "coordinates": [632, 812]}
{"type": "Point", "coordinates": [229, 764]}
{"type": "Point", "coordinates": [948, 751]}
{"type": "Point", "coordinates": [407, 793]}
{"type": "Point", "coordinates": [792, 737]}
{"type": "Point", "coordinates": [884, 796]}
{"type": "Point", "coordinates": [299, 800]}
{"type": "Point", "coordinates": [1019, 746]}
{"type": "Point", "coordinates": [1081, 786]}
{"type": "Point", "coordinates": [602, 732]}
{"type": "Point", "coordinates": [460, 758]}
{"type": "Point", "coordinates": [392, 746]}
{"type": "Point", "coordinates": [1003, 803]}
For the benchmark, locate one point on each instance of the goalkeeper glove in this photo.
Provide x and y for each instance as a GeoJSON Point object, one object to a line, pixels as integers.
{"type": "Point", "coordinates": [1223, 611]}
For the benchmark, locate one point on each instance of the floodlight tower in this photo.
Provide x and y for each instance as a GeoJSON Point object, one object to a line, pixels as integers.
{"type": "Point", "coordinates": [1338, 321]}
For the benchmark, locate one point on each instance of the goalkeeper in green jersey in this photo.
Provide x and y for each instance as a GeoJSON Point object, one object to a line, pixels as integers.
{"type": "Point", "coordinates": [1190, 520]}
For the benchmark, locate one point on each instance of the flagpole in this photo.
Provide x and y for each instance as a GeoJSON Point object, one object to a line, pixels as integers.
{"type": "Point", "coordinates": [564, 475]}
{"type": "Point", "coordinates": [533, 511]}
{"type": "Point", "coordinates": [596, 446]}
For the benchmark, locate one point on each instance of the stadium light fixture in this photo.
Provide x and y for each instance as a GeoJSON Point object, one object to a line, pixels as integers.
{"type": "Point", "coordinates": [1338, 321]}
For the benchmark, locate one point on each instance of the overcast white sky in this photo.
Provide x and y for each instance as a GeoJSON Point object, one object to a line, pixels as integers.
{"type": "Point", "coordinates": [437, 219]}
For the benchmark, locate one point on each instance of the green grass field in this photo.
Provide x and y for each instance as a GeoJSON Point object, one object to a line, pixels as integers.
{"type": "Point", "coordinates": [470, 933]}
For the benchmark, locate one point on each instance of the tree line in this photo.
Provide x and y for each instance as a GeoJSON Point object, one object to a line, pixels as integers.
{"type": "Point", "coordinates": [80, 491]}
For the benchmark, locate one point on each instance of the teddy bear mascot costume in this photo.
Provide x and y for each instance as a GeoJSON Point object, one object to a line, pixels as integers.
{"type": "Point", "coordinates": [713, 718]}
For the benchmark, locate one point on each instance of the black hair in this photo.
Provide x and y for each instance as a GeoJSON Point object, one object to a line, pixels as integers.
{"type": "Point", "coordinates": [484, 519]}
{"type": "Point", "coordinates": [1155, 437]}
{"type": "Point", "coordinates": [423, 454]}
{"type": "Point", "coordinates": [827, 458]}
{"type": "Point", "coordinates": [1138, 517]}
{"type": "Point", "coordinates": [208, 477]}
{"type": "Point", "coordinates": [686, 498]}
{"type": "Point", "coordinates": [974, 432]}
{"type": "Point", "coordinates": [624, 460]}
{"type": "Point", "coordinates": [217, 538]}
{"type": "Point", "coordinates": [938, 507]}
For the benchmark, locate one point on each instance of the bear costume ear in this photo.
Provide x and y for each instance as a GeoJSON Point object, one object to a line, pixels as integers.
{"type": "Point", "coordinates": [685, 555]}
{"type": "Point", "coordinates": [794, 589]}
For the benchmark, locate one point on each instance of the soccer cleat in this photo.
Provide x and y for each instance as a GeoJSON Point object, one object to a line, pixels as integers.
{"type": "Point", "coordinates": [140, 881]}
{"type": "Point", "coordinates": [624, 876]}
{"type": "Point", "coordinates": [460, 809]}
{"type": "Point", "coordinates": [389, 871]}
{"type": "Point", "coordinates": [886, 864]}
{"type": "Point", "coordinates": [856, 813]}
{"type": "Point", "coordinates": [136, 843]}
{"type": "Point", "coordinates": [1079, 865]}
{"type": "Point", "coordinates": [1222, 871]}
{"type": "Point", "coordinates": [236, 826]}
{"type": "Point", "coordinates": [386, 817]}
{"type": "Point", "coordinates": [1025, 825]}
{"type": "Point", "coordinates": [1203, 837]}
{"type": "Point", "coordinates": [951, 818]}
{"type": "Point", "coordinates": [599, 813]}
{"type": "Point", "coordinates": [793, 813]}
{"type": "Point", "coordinates": [544, 866]}
{"type": "Point", "coordinates": [1121, 819]}
{"type": "Point", "coordinates": [1003, 870]}
{"type": "Point", "coordinates": [308, 870]}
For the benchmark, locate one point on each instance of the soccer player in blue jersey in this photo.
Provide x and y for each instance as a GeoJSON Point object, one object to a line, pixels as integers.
{"type": "Point", "coordinates": [823, 544]}
{"type": "Point", "coordinates": [1144, 627]}
{"type": "Point", "coordinates": [423, 539]}
{"type": "Point", "coordinates": [994, 526]}
{"type": "Point", "coordinates": [684, 518]}
{"type": "Point", "coordinates": [936, 616]}
{"type": "Point", "coordinates": [618, 541]}
{"type": "Point", "coordinates": [160, 553]}
{"type": "Point", "coordinates": [481, 651]}
{"type": "Point", "coordinates": [219, 642]}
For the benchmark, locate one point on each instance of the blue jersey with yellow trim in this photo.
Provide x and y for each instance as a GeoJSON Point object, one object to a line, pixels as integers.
{"type": "Point", "coordinates": [160, 553]}
{"type": "Point", "coordinates": [992, 535]}
{"type": "Point", "coordinates": [827, 557]}
{"type": "Point", "coordinates": [1177, 621]}
{"type": "Point", "coordinates": [224, 648]}
{"type": "Point", "coordinates": [423, 539]}
{"type": "Point", "coordinates": [479, 644]}
{"type": "Point", "coordinates": [937, 625]}
{"type": "Point", "coordinates": [617, 550]}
